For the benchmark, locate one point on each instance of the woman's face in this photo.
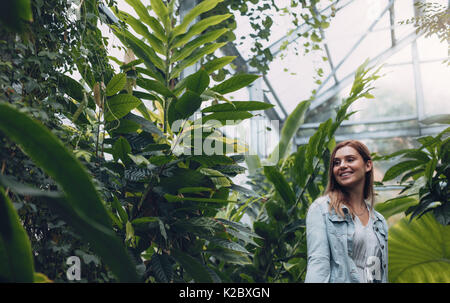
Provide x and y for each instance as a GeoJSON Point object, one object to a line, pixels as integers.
{"type": "Point", "coordinates": [349, 168]}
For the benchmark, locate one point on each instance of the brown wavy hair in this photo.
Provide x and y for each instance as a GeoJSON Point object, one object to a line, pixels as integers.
{"type": "Point", "coordinates": [338, 195]}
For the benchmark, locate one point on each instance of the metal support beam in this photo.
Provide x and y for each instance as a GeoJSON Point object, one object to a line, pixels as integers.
{"type": "Point", "coordinates": [333, 72]}
{"type": "Point", "coordinates": [366, 122]}
{"type": "Point", "coordinates": [275, 96]}
{"type": "Point", "coordinates": [271, 113]}
{"type": "Point", "coordinates": [332, 91]}
{"type": "Point", "coordinates": [392, 23]}
{"type": "Point", "coordinates": [381, 134]}
{"type": "Point", "coordinates": [417, 72]}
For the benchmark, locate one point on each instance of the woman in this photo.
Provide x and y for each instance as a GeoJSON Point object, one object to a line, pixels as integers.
{"type": "Point", "coordinates": [346, 237]}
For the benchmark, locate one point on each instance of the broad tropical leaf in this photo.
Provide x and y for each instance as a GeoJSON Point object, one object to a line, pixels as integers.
{"type": "Point", "coordinates": [419, 252]}
{"type": "Point", "coordinates": [145, 124]}
{"type": "Point", "coordinates": [228, 117]}
{"type": "Point", "coordinates": [16, 259]}
{"type": "Point", "coordinates": [217, 63]}
{"type": "Point", "coordinates": [141, 29]}
{"type": "Point", "coordinates": [143, 51]}
{"type": "Point", "coordinates": [120, 105]}
{"type": "Point", "coordinates": [188, 104]}
{"type": "Point", "coordinates": [197, 42]}
{"type": "Point", "coordinates": [234, 83]}
{"type": "Point", "coordinates": [204, 6]}
{"type": "Point", "coordinates": [237, 106]}
{"type": "Point", "coordinates": [154, 86]}
{"type": "Point", "coordinates": [194, 57]}
{"type": "Point", "coordinates": [121, 149]}
{"type": "Point", "coordinates": [281, 185]}
{"type": "Point", "coordinates": [83, 208]}
{"type": "Point", "coordinates": [71, 87]}
{"type": "Point", "coordinates": [290, 127]}
{"type": "Point", "coordinates": [192, 266]}
{"type": "Point", "coordinates": [198, 81]}
{"type": "Point", "coordinates": [198, 28]}
{"type": "Point", "coordinates": [162, 12]}
{"type": "Point", "coordinates": [400, 168]}
{"type": "Point", "coordinates": [143, 14]}
{"type": "Point", "coordinates": [14, 13]}
{"type": "Point", "coordinates": [116, 84]}
{"type": "Point", "coordinates": [395, 206]}
{"type": "Point", "coordinates": [162, 268]}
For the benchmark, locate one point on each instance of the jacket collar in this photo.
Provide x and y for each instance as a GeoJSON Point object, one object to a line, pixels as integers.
{"type": "Point", "coordinates": [337, 218]}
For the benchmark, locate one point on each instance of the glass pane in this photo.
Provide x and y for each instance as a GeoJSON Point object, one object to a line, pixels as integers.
{"type": "Point", "coordinates": [394, 95]}
{"type": "Point", "coordinates": [401, 56]}
{"type": "Point", "coordinates": [292, 76]}
{"type": "Point", "coordinates": [350, 24]}
{"type": "Point", "coordinates": [431, 48]}
{"type": "Point", "coordinates": [435, 79]}
{"type": "Point", "coordinates": [404, 10]}
{"type": "Point", "coordinates": [372, 45]}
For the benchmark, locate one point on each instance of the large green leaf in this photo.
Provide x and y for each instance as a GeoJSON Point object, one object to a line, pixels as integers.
{"type": "Point", "coordinates": [198, 81]}
{"type": "Point", "coordinates": [121, 149]}
{"type": "Point", "coordinates": [419, 252]}
{"type": "Point", "coordinates": [146, 124]}
{"type": "Point", "coordinates": [154, 86]}
{"type": "Point", "coordinates": [281, 185]}
{"type": "Point", "coordinates": [400, 168]}
{"type": "Point", "coordinates": [14, 12]}
{"type": "Point", "coordinates": [143, 14]}
{"type": "Point", "coordinates": [71, 87]}
{"type": "Point", "coordinates": [162, 12]}
{"type": "Point", "coordinates": [194, 57]}
{"type": "Point", "coordinates": [192, 266]}
{"type": "Point", "coordinates": [162, 268]}
{"type": "Point", "coordinates": [16, 259]}
{"type": "Point", "coordinates": [197, 42]}
{"type": "Point", "coordinates": [116, 84]}
{"type": "Point", "coordinates": [143, 51]}
{"type": "Point", "coordinates": [217, 63]}
{"type": "Point", "coordinates": [229, 256]}
{"type": "Point", "coordinates": [204, 6]}
{"type": "Point", "coordinates": [237, 106]}
{"type": "Point", "coordinates": [395, 206]}
{"type": "Point", "coordinates": [141, 29]}
{"type": "Point", "coordinates": [290, 127]}
{"type": "Point", "coordinates": [315, 145]}
{"type": "Point", "coordinates": [83, 208]}
{"type": "Point", "coordinates": [234, 83]}
{"type": "Point", "coordinates": [120, 105]}
{"type": "Point", "coordinates": [188, 104]}
{"type": "Point", "coordinates": [122, 213]}
{"type": "Point", "coordinates": [228, 117]}
{"type": "Point", "coordinates": [198, 28]}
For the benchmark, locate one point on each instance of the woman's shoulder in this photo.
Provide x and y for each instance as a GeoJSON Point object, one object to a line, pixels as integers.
{"type": "Point", "coordinates": [320, 202]}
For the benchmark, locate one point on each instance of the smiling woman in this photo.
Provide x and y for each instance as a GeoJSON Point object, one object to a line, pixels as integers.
{"type": "Point", "coordinates": [346, 237]}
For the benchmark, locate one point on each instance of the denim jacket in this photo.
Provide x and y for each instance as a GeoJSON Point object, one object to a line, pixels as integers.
{"type": "Point", "coordinates": [330, 243]}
